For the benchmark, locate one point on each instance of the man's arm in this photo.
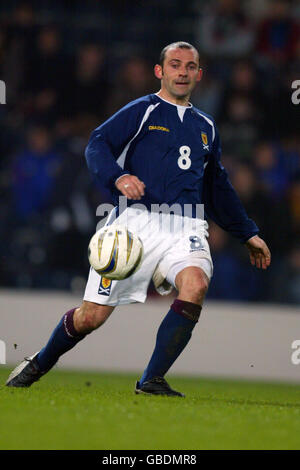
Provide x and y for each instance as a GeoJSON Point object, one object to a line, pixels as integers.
{"type": "Point", "coordinates": [106, 144]}
{"type": "Point", "coordinates": [223, 206]}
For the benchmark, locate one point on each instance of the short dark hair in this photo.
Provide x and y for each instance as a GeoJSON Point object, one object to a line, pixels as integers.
{"type": "Point", "coordinates": [175, 45]}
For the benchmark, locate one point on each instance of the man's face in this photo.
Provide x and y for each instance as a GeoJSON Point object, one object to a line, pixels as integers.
{"type": "Point", "coordinates": [180, 72]}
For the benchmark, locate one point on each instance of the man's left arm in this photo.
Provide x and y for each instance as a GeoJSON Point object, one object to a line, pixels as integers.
{"type": "Point", "coordinates": [223, 206]}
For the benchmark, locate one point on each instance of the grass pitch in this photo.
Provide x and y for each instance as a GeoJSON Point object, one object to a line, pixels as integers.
{"type": "Point", "coordinates": [72, 410]}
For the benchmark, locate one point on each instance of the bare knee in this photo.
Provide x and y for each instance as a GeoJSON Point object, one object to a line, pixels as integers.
{"type": "Point", "coordinates": [192, 284]}
{"type": "Point", "coordinates": [195, 289]}
{"type": "Point", "coordinates": [89, 316]}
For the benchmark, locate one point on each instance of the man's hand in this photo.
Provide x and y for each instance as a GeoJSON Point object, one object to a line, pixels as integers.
{"type": "Point", "coordinates": [130, 186]}
{"type": "Point", "coordinates": [259, 253]}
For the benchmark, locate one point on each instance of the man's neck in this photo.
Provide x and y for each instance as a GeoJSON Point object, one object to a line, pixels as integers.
{"type": "Point", "coordinates": [184, 101]}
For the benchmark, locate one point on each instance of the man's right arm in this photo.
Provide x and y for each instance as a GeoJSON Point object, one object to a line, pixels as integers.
{"type": "Point", "coordinates": [109, 140]}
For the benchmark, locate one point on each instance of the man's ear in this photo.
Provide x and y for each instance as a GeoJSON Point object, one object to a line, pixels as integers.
{"type": "Point", "coordinates": [158, 72]}
{"type": "Point", "coordinates": [199, 76]}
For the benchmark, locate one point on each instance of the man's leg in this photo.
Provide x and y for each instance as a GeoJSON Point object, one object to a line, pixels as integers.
{"type": "Point", "coordinates": [176, 329]}
{"type": "Point", "coordinates": [72, 328]}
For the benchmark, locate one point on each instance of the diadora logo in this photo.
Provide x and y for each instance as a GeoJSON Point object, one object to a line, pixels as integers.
{"type": "Point", "coordinates": [204, 141]}
{"type": "Point", "coordinates": [105, 286]}
{"type": "Point", "coordinates": [158, 128]}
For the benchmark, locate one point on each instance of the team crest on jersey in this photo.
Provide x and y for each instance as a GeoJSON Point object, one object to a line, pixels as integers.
{"type": "Point", "coordinates": [105, 286]}
{"type": "Point", "coordinates": [204, 141]}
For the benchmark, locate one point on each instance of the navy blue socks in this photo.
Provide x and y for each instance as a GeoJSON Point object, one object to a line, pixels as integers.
{"type": "Point", "coordinates": [173, 335]}
{"type": "Point", "coordinates": [63, 338]}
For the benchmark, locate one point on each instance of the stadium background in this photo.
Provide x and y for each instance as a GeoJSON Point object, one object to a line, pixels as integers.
{"type": "Point", "coordinates": [69, 65]}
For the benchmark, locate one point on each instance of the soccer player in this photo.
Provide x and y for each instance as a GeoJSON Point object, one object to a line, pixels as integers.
{"type": "Point", "coordinates": [157, 149]}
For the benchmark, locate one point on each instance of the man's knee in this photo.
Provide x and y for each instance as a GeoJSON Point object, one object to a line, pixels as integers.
{"type": "Point", "coordinates": [196, 285]}
{"type": "Point", "coordinates": [89, 316]}
{"type": "Point", "coordinates": [192, 284]}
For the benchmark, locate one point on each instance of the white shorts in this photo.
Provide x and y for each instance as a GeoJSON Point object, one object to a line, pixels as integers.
{"type": "Point", "coordinates": [170, 245]}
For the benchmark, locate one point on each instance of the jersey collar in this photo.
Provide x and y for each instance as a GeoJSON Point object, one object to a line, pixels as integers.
{"type": "Point", "coordinates": [177, 105]}
{"type": "Point", "coordinates": [180, 109]}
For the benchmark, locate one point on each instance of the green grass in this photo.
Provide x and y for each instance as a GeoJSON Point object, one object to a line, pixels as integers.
{"type": "Point", "coordinates": [70, 410]}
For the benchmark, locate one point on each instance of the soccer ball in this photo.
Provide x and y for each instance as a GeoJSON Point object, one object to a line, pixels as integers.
{"type": "Point", "coordinates": [115, 252]}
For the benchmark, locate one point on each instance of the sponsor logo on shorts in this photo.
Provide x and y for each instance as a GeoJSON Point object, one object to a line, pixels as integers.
{"type": "Point", "coordinates": [105, 286]}
{"type": "Point", "coordinates": [195, 244]}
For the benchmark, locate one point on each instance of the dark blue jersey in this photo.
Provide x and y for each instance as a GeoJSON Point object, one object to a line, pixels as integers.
{"type": "Point", "coordinates": [175, 151]}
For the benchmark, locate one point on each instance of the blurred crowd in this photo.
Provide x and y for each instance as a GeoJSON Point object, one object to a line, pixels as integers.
{"type": "Point", "coordinates": [69, 65]}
